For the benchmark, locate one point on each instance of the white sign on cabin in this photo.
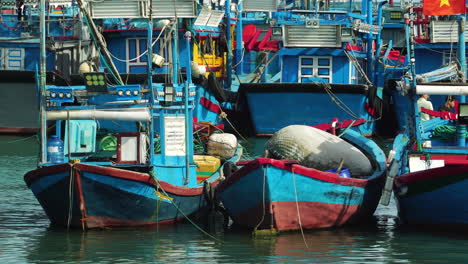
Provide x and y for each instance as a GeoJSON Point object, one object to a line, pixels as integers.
{"type": "Point", "coordinates": [174, 135]}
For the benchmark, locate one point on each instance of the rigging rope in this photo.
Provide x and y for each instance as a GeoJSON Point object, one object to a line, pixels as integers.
{"type": "Point", "coordinates": [180, 211]}
{"type": "Point", "coordinates": [142, 54]}
{"type": "Point", "coordinates": [116, 78]}
{"type": "Point", "coordinates": [297, 208]}
{"type": "Point", "coordinates": [70, 195]}
{"type": "Point", "coordinates": [263, 198]}
{"type": "Point", "coordinates": [339, 102]}
{"type": "Point", "coordinates": [354, 61]}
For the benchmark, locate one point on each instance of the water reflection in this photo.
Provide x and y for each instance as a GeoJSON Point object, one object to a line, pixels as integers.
{"type": "Point", "coordinates": [165, 244]}
{"type": "Point", "coordinates": [21, 146]}
{"type": "Point", "coordinates": [26, 238]}
{"type": "Point", "coordinates": [352, 245]}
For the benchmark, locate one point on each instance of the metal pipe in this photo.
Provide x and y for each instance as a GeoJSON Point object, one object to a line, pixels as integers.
{"type": "Point", "coordinates": [99, 115]}
{"type": "Point", "coordinates": [379, 40]}
{"type": "Point", "coordinates": [188, 38]}
{"type": "Point", "coordinates": [175, 55]}
{"type": "Point", "coordinates": [442, 89]}
{"type": "Point", "coordinates": [228, 82]}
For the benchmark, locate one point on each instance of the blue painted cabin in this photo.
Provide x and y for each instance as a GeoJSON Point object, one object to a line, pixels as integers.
{"type": "Point", "coordinates": [294, 44]}
{"type": "Point", "coordinates": [68, 46]}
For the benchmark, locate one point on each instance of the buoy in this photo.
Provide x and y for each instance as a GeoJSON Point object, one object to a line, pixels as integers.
{"type": "Point", "coordinates": [317, 149]}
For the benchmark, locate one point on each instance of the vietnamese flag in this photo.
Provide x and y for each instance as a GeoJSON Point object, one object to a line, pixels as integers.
{"type": "Point", "coordinates": [443, 7]}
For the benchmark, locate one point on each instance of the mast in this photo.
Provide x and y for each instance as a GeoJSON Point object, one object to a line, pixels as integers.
{"type": "Point", "coordinates": [239, 51]}
{"type": "Point", "coordinates": [150, 78]}
{"type": "Point", "coordinates": [42, 80]}
{"type": "Point", "coordinates": [370, 53]}
{"type": "Point", "coordinates": [461, 129]}
{"type": "Point", "coordinates": [412, 77]}
{"type": "Point", "coordinates": [188, 38]}
{"type": "Point", "coordinates": [229, 44]}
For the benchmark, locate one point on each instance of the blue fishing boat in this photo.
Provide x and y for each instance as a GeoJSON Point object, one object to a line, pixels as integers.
{"type": "Point", "coordinates": [430, 153]}
{"type": "Point", "coordinates": [435, 53]}
{"type": "Point", "coordinates": [118, 45]}
{"type": "Point", "coordinates": [281, 195]}
{"type": "Point", "coordinates": [125, 40]}
{"type": "Point", "coordinates": [19, 56]}
{"type": "Point", "coordinates": [317, 61]}
{"type": "Point", "coordinates": [125, 154]}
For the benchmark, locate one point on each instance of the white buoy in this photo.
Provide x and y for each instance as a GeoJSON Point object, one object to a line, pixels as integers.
{"type": "Point", "coordinates": [222, 145]}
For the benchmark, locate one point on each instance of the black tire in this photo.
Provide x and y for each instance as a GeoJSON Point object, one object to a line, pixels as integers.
{"type": "Point", "coordinates": [229, 168]}
{"type": "Point", "coordinates": [208, 192]}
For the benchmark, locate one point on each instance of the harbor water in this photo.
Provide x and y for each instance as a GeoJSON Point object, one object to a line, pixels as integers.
{"type": "Point", "coordinates": [26, 237]}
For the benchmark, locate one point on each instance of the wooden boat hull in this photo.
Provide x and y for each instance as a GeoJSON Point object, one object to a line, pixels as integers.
{"type": "Point", "coordinates": [435, 197]}
{"type": "Point", "coordinates": [268, 193]}
{"type": "Point", "coordinates": [87, 196]}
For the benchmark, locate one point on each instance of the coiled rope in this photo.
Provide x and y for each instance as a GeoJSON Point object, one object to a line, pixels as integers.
{"type": "Point", "coordinates": [445, 133]}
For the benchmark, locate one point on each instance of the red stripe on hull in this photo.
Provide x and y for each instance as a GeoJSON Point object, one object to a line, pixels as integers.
{"type": "Point", "coordinates": [144, 177]}
{"type": "Point", "coordinates": [313, 215]}
{"type": "Point", "coordinates": [18, 130]}
{"type": "Point", "coordinates": [430, 174]}
{"type": "Point", "coordinates": [33, 175]}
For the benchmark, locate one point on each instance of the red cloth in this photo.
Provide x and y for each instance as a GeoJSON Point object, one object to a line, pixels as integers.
{"type": "Point", "coordinates": [443, 7]}
{"type": "Point", "coordinates": [340, 125]}
{"type": "Point", "coordinates": [210, 105]}
{"type": "Point", "coordinates": [443, 114]}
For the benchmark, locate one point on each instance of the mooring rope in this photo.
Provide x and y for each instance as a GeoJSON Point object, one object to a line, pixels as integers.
{"type": "Point", "coordinates": [339, 102]}
{"type": "Point", "coordinates": [224, 116]}
{"type": "Point", "coordinates": [70, 195]}
{"type": "Point", "coordinates": [180, 211]}
{"type": "Point", "coordinates": [263, 198]}
{"type": "Point", "coordinates": [297, 208]}
{"type": "Point", "coordinates": [36, 136]}
{"type": "Point", "coordinates": [346, 129]}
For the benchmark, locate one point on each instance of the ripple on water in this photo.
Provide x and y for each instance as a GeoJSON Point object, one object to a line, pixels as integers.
{"type": "Point", "coordinates": [25, 237]}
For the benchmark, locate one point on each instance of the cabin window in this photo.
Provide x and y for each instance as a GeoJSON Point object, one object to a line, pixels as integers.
{"type": "Point", "coordinates": [449, 56]}
{"type": "Point", "coordinates": [315, 69]}
{"type": "Point", "coordinates": [12, 58]}
{"type": "Point", "coordinates": [135, 62]}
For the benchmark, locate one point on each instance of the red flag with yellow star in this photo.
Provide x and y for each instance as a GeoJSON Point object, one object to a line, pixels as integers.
{"type": "Point", "coordinates": [443, 7]}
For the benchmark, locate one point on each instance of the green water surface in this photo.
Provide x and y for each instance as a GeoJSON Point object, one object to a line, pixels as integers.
{"type": "Point", "coordinates": [25, 235]}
